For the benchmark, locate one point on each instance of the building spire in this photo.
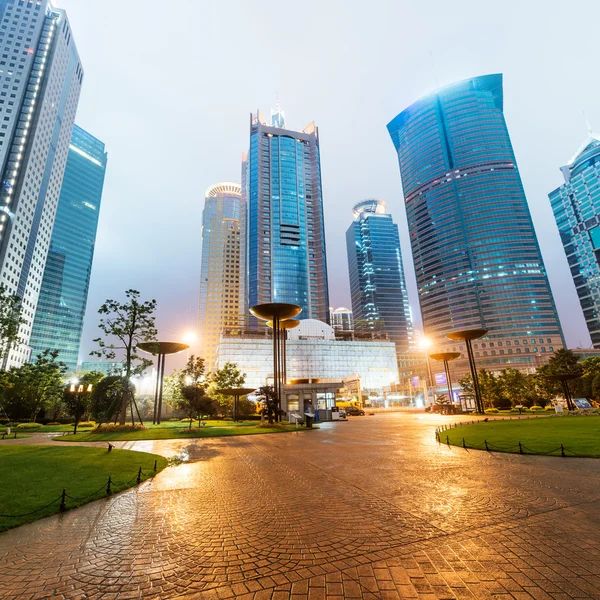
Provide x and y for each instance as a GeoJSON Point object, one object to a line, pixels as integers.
{"type": "Point", "coordinates": [277, 115]}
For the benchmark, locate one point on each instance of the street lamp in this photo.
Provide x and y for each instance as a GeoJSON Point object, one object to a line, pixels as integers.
{"type": "Point", "coordinates": [189, 338]}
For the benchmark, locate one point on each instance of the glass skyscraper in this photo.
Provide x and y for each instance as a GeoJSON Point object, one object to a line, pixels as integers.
{"type": "Point", "coordinates": [286, 238]}
{"type": "Point", "coordinates": [223, 266]}
{"type": "Point", "coordinates": [377, 283]}
{"type": "Point", "coordinates": [576, 206]}
{"type": "Point", "coordinates": [40, 82]}
{"type": "Point", "coordinates": [477, 259]}
{"type": "Point", "coordinates": [63, 296]}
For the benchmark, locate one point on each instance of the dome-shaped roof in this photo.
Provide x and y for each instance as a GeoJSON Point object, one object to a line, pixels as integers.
{"type": "Point", "coordinates": [312, 329]}
{"type": "Point", "coordinates": [224, 187]}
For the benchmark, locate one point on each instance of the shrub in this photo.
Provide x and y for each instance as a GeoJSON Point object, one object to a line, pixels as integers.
{"type": "Point", "coordinates": [502, 403]}
{"type": "Point", "coordinates": [110, 428]}
{"type": "Point", "coordinates": [175, 419]}
{"type": "Point", "coordinates": [549, 407]}
{"type": "Point", "coordinates": [537, 408]}
{"type": "Point", "coordinates": [29, 425]}
{"type": "Point", "coordinates": [54, 423]}
{"type": "Point", "coordinates": [187, 420]}
{"type": "Point", "coordinates": [492, 411]}
{"type": "Point", "coordinates": [87, 424]}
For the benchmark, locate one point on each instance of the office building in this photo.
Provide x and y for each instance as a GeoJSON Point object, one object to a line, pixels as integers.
{"type": "Point", "coordinates": [576, 206]}
{"type": "Point", "coordinates": [342, 319]}
{"type": "Point", "coordinates": [377, 284]}
{"type": "Point", "coordinates": [40, 81]}
{"type": "Point", "coordinates": [63, 296]}
{"type": "Point", "coordinates": [316, 353]}
{"type": "Point", "coordinates": [223, 266]}
{"type": "Point", "coordinates": [476, 255]}
{"type": "Point", "coordinates": [286, 237]}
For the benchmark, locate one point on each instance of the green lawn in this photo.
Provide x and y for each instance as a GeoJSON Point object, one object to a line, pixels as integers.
{"type": "Point", "coordinates": [172, 430]}
{"type": "Point", "coordinates": [33, 476]}
{"type": "Point", "coordinates": [579, 435]}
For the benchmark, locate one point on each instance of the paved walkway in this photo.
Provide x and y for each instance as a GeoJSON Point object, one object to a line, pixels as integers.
{"type": "Point", "coordinates": [371, 508]}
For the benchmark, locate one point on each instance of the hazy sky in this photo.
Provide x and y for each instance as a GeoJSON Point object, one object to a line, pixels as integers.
{"type": "Point", "coordinates": [169, 87]}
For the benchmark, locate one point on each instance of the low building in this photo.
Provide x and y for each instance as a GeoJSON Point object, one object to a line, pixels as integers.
{"type": "Point", "coordinates": [342, 319]}
{"type": "Point", "coordinates": [313, 353]}
{"type": "Point", "coordinates": [104, 366]}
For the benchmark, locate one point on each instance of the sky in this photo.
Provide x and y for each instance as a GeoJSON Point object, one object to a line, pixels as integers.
{"type": "Point", "coordinates": [169, 87]}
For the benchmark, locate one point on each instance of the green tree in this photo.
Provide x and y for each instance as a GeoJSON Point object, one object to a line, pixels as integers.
{"type": "Point", "coordinates": [107, 395]}
{"type": "Point", "coordinates": [11, 320]}
{"type": "Point", "coordinates": [563, 362]}
{"type": "Point", "coordinates": [189, 392]}
{"type": "Point", "coordinates": [78, 396]}
{"type": "Point", "coordinates": [39, 384]}
{"type": "Point", "coordinates": [127, 324]}
{"type": "Point", "coordinates": [514, 386]}
{"type": "Point", "coordinates": [488, 387]}
{"type": "Point", "coordinates": [227, 377]}
{"type": "Point", "coordinates": [270, 402]}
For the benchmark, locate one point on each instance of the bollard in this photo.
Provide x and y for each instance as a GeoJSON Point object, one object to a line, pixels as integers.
{"type": "Point", "coordinates": [562, 450]}
{"type": "Point", "coordinates": [63, 501]}
{"type": "Point", "coordinates": [520, 448]}
{"type": "Point", "coordinates": [110, 446]}
{"type": "Point", "coordinates": [486, 446]}
{"type": "Point", "coordinates": [448, 441]}
{"type": "Point", "coordinates": [108, 490]}
{"type": "Point", "coordinates": [155, 466]}
{"type": "Point", "coordinates": [15, 435]}
{"type": "Point", "coordinates": [464, 445]}
{"type": "Point", "coordinates": [139, 477]}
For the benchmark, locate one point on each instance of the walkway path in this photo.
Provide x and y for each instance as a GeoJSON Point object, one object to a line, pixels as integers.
{"type": "Point", "coordinates": [371, 508]}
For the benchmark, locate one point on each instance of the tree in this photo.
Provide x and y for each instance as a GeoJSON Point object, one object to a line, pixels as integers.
{"type": "Point", "coordinates": [270, 402]}
{"type": "Point", "coordinates": [189, 392]}
{"type": "Point", "coordinates": [227, 377]}
{"type": "Point", "coordinates": [78, 403]}
{"type": "Point", "coordinates": [130, 323]}
{"type": "Point", "coordinates": [514, 387]}
{"type": "Point", "coordinates": [38, 384]}
{"type": "Point", "coordinates": [107, 395]}
{"type": "Point", "coordinates": [11, 320]}
{"type": "Point", "coordinates": [563, 362]}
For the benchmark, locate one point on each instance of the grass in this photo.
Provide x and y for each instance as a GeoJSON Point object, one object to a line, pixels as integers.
{"type": "Point", "coordinates": [178, 430]}
{"type": "Point", "coordinates": [580, 435]}
{"type": "Point", "coordinates": [34, 476]}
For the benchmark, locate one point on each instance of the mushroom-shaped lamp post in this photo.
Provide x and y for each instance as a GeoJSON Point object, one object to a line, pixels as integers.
{"type": "Point", "coordinates": [446, 357]}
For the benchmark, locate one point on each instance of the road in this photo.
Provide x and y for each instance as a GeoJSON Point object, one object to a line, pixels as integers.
{"type": "Point", "coordinates": [371, 508]}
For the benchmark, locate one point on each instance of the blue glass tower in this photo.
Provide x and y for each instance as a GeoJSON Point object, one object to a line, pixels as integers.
{"type": "Point", "coordinates": [576, 206]}
{"type": "Point", "coordinates": [377, 284]}
{"type": "Point", "coordinates": [286, 260]}
{"type": "Point", "coordinates": [61, 307]}
{"type": "Point", "coordinates": [477, 259]}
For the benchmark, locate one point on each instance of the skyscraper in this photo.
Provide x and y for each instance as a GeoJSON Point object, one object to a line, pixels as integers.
{"type": "Point", "coordinates": [286, 237]}
{"type": "Point", "coordinates": [61, 305]}
{"type": "Point", "coordinates": [477, 258]}
{"type": "Point", "coordinates": [223, 265]}
{"type": "Point", "coordinates": [342, 319]}
{"type": "Point", "coordinates": [40, 81]}
{"type": "Point", "coordinates": [576, 206]}
{"type": "Point", "coordinates": [377, 284]}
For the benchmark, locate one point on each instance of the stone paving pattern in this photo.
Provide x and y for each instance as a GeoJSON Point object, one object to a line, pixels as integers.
{"type": "Point", "coordinates": [371, 508]}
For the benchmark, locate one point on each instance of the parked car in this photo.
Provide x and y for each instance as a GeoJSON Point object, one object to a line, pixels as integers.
{"type": "Point", "coordinates": [354, 411]}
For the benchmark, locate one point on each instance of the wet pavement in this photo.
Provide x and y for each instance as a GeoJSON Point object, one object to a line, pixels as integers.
{"type": "Point", "coordinates": [371, 508]}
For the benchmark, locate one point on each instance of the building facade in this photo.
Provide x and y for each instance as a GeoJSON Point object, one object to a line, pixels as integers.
{"type": "Point", "coordinates": [342, 319]}
{"type": "Point", "coordinates": [576, 206]}
{"type": "Point", "coordinates": [476, 255]}
{"type": "Point", "coordinates": [58, 321]}
{"type": "Point", "coordinates": [286, 259]}
{"type": "Point", "coordinates": [313, 353]}
{"type": "Point", "coordinates": [222, 271]}
{"type": "Point", "coordinates": [40, 82]}
{"type": "Point", "coordinates": [377, 283]}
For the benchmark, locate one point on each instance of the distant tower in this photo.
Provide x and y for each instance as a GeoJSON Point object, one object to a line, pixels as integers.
{"type": "Point", "coordinates": [40, 79]}
{"type": "Point", "coordinates": [576, 206]}
{"type": "Point", "coordinates": [222, 270]}
{"type": "Point", "coordinates": [377, 283]}
{"type": "Point", "coordinates": [286, 237]}
{"type": "Point", "coordinates": [63, 296]}
{"type": "Point", "coordinates": [477, 259]}
{"type": "Point", "coordinates": [342, 319]}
